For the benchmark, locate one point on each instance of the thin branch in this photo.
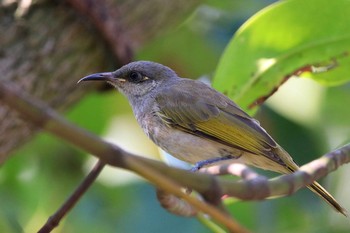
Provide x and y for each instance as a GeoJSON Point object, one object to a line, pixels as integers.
{"type": "Point", "coordinates": [258, 189]}
{"type": "Point", "coordinates": [55, 219]}
{"type": "Point", "coordinates": [236, 169]}
{"type": "Point", "coordinates": [175, 205]}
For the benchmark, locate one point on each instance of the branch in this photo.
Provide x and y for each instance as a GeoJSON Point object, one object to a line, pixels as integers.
{"type": "Point", "coordinates": [55, 219]}
{"type": "Point", "coordinates": [167, 178]}
{"type": "Point", "coordinates": [175, 205]}
{"type": "Point", "coordinates": [260, 187]}
{"type": "Point", "coordinates": [236, 169]}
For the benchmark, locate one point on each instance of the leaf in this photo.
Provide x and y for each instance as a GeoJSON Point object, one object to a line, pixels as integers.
{"type": "Point", "coordinates": [285, 39]}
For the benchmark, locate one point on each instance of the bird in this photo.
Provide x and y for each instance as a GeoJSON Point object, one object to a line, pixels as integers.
{"type": "Point", "coordinates": [197, 124]}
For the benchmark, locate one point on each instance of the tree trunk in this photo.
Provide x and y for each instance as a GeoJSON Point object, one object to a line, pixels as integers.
{"type": "Point", "coordinates": [47, 46]}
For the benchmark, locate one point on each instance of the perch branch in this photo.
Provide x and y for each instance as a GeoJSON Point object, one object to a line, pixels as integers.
{"type": "Point", "coordinates": [236, 169]}
{"type": "Point", "coordinates": [254, 183]}
{"type": "Point", "coordinates": [257, 189]}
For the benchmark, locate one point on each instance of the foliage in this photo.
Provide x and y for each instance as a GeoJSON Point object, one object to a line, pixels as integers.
{"type": "Point", "coordinates": [282, 40]}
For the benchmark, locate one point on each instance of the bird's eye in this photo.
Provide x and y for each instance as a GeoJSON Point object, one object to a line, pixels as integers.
{"type": "Point", "coordinates": [135, 77]}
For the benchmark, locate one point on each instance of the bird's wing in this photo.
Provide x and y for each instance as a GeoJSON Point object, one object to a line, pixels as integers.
{"type": "Point", "coordinates": [200, 110]}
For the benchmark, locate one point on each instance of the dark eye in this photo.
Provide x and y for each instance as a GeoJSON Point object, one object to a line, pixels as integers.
{"type": "Point", "coordinates": [135, 77]}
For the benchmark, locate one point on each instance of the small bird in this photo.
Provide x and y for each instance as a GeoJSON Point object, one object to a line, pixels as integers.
{"type": "Point", "coordinates": [197, 124]}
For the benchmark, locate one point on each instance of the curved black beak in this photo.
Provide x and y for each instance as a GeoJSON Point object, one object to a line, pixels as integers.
{"type": "Point", "coordinates": [108, 76]}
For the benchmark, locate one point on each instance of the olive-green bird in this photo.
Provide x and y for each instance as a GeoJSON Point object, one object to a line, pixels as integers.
{"type": "Point", "coordinates": [195, 123]}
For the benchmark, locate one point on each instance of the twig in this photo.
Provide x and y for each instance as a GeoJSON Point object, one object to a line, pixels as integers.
{"type": "Point", "coordinates": [235, 169]}
{"type": "Point", "coordinates": [175, 205]}
{"type": "Point", "coordinates": [55, 219]}
{"type": "Point", "coordinates": [258, 189]}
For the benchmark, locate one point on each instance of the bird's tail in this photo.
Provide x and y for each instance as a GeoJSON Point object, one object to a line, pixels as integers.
{"type": "Point", "coordinates": [322, 192]}
{"type": "Point", "coordinates": [314, 187]}
{"type": "Point", "coordinates": [327, 197]}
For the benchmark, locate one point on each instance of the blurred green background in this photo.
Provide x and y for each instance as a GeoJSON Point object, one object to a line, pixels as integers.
{"type": "Point", "coordinates": [307, 119]}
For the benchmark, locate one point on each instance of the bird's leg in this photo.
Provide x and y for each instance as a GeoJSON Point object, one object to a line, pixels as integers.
{"type": "Point", "coordinates": [203, 163]}
{"type": "Point", "coordinates": [206, 162]}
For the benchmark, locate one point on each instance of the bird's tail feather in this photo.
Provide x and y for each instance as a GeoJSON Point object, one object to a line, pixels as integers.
{"type": "Point", "coordinates": [321, 192]}
{"type": "Point", "coordinates": [327, 197]}
{"type": "Point", "coordinates": [314, 187]}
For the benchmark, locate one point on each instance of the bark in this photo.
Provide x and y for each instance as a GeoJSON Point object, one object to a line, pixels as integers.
{"type": "Point", "coordinates": [44, 53]}
{"type": "Point", "coordinates": [47, 46]}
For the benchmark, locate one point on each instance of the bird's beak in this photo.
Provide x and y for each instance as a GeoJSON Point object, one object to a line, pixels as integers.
{"type": "Point", "coordinates": [108, 76]}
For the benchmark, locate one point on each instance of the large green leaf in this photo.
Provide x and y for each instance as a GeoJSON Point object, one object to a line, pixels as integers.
{"type": "Point", "coordinates": [283, 40]}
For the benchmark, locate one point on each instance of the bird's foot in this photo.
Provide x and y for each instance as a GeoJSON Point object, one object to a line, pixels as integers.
{"type": "Point", "coordinates": [207, 162]}
{"type": "Point", "coordinates": [204, 163]}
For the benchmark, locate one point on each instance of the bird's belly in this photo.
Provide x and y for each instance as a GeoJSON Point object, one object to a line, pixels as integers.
{"type": "Point", "coordinates": [188, 147]}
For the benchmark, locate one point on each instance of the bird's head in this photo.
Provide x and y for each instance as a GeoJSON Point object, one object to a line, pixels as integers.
{"type": "Point", "coordinates": [136, 79]}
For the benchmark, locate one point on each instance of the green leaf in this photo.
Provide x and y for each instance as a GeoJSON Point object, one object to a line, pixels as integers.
{"type": "Point", "coordinates": [285, 39]}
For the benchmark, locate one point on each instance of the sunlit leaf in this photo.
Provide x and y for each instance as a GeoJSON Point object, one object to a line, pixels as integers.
{"type": "Point", "coordinates": [285, 39]}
